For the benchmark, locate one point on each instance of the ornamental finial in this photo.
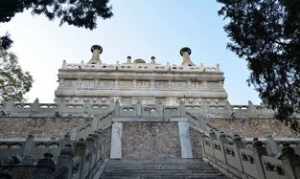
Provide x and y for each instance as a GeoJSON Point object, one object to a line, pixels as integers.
{"type": "Point", "coordinates": [96, 50]}
{"type": "Point", "coordinates": [185, 52]}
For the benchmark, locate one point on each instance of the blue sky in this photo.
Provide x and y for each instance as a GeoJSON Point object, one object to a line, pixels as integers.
{"type": "Point", "coordinates": [139, 28]}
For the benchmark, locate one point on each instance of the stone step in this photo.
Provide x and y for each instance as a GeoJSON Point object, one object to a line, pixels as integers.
{"type": "Point", "coordinates": [161, 172]}
{"type": "Point", "coordinates": [161, 167]}
{"type": "Point", "coordinates": [164, 177]}
{"type": "Point", "coordinates": [167, 169]}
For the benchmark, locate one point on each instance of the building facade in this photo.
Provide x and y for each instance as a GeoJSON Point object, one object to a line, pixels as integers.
{"type": "Point", "coordinates": [139, 81]}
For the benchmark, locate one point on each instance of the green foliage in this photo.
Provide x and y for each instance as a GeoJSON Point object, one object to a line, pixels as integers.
{"type": "Point", "coordinates": [266, 33]}
{"type": "Point", "coordinates": [80, 13]}
{"type": "Point", "coordinates": [14, 83]}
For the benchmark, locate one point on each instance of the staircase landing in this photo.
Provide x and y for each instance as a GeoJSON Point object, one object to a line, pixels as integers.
{"type": "Point", "coordinates": [167, 169]}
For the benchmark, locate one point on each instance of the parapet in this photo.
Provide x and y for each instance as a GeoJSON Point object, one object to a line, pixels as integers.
{"type": "Point", "coordinates": [140, 65]}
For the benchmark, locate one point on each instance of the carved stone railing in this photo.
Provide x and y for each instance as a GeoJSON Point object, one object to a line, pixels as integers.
{"type": "Point", "coordinates": [41, 110]}
{"type": "Point", "coordinates": [78, 155]}
{"type": "Point", "coordinates": [37, 109]}
{"type": "Point", "coordinates": [259, 160]}
{"type": "Point", "coordinates": [66, 159]}
{"type": "Point", "coordinates": [147, 112]}
{"type": "Point", "coordinates": [139, 67]}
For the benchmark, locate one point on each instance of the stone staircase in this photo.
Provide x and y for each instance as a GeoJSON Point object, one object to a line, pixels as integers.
{"type": "Point", "coordinates": [168, 169]}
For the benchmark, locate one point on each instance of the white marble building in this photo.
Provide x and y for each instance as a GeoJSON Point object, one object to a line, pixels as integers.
{"type": "Point", "coordinates": [96, 82]}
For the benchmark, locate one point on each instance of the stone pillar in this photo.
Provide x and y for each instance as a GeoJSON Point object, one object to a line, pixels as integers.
{"type": "Point", "coordinates": [80, 151]}
{"type": "Point", "coordinates": [271, 146]}
{"type": "Point", "coordinates": [65, 159]}
{"type": "Point", "coordinates": [185, 139]}
{"type": "Point", "coordinates": [45, 167]}
{"type": "Point", "coordinates": [27, 150]}
{"type": "Point", "coordinates": [117, 108]}
{"type": "Point", "coordinates": [259, 150]}
{"type": "Point", "coordinates": [290, 161]}
{"type": "Point", "coordinates": [116, 141]}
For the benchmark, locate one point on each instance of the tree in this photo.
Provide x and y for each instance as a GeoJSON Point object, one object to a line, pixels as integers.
{"type": "Point", "coordinates": [80, 13]}
{"type": "Point", "coordinates": [266, 33]}
{"type": "Point", "coordinates": [14, 83]}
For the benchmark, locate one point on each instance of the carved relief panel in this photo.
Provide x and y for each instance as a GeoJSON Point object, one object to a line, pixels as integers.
{"type": "Point", "coordinates": [104, 84]}
{"type": "Point", "coordinates": [179, 84]}
{"type": "Point", "coordinates": [143, 84]}
{"type": "Point", "coordinates": [125, 83]}
{"type": "Point", "coordinates": [161, 84]}
{"type": "Point", "coordinates": [196, 84]}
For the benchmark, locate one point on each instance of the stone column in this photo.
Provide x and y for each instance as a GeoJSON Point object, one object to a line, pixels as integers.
{"type": "Point", "coordinates": [116, 141]}
{"type": "Point", "coordinates": [259, 151]}
{"type": "Point", "coordinates": [185, 140]}
{"type": "Point", "coordinates": [290, 162]}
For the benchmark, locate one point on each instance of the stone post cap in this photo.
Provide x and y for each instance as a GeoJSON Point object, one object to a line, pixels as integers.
{"type": "Point", "coordinates": [96, 50]}
{"type": "Point", "coordinates": [129, 58]}
{"type": "Point", "coordinates": [67, 150]}
{"type": "Point", "coordinates": [185, 52]}
{"type": "Point", "coordinates": [287, 152]}
{"type": "Point", "coordinates": [153, 59]}
{"type": "Point", "coordinates": [259, 146]}
{"type": "Point", "coordinates": [185, 49]}
{"type": "Point", "coordinates": [80, 148]}
{"type": "Point", "coordinates": [97, 47]}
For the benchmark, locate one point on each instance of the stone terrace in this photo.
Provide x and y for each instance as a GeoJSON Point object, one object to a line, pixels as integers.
{"type": "Point", "coordinates": [253, 127]}
{"type": "Point", "coordinates": [39, 127]}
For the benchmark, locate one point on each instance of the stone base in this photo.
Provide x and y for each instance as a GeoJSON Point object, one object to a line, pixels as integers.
{"type": "Point", "coordinates": [150, 140]}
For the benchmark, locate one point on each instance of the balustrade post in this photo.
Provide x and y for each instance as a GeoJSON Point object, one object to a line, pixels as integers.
{"type": "Point", "coordinates": [91, 152]}
{"type": "Point", "coordinates": [223, 140]}
{"type": "Point", "coordinates": [66, 140]}
{"type": "Point", "coordinates": [139, 108]}
{"type": "Point", "coordinates": [238, 144]}
{"type": "Point", "coordinates": [65, 160]}
{"type": "Point", "coordinates": [271, 146]}
{"type": "Point", "coordinates": [181, 109]}
{"type": "Point", "coordinates": [80, 150]}
{"type": "Point", "coordinates": [259, 150]}
{"type": "Point", "coordinates": [117, 108]}
{"type": "Point", "coordinates": [95, 123]}
{"type": "Point", "coordinates": [27, 150]}
{"type": "Point", "coordinates": [100, 145]}
{"type": "Point", "coordinates": [290, 161]}
{"type": "Point", "coordinates": [202, 137]}
{"type": "Point", "coordinates": [45, 167]}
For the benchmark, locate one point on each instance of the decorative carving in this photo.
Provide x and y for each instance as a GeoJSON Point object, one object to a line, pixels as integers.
{"type": "Point", "coordinates": [125, 83]}
{"type": "Point", "coordinates": [162, 84]}
{"type": "Point", "coordinates": [143, 84]}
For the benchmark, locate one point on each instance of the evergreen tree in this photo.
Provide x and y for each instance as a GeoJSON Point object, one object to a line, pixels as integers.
{"type": "Point", "coordinates": [266, 33]}
{"type": "Point", "coordinates": [14, 83]}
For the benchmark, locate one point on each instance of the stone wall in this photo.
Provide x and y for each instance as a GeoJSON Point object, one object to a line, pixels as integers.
{"type": "Point", "coordinates": [253, 127]}
{"type": "Point", "coordinates": [196, 143]}
{"type": "Point", "coordinates": [39, 127]}
{"type": "Point", "coordinates": [150, 140]}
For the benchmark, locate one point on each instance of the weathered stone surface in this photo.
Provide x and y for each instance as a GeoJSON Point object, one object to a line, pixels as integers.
{"type": "Point", "coordinates": [196, 143]}
{"type": "Point", "coordinates": [97, 83]}
{"type": "Point", "coordinates": [185, 139]}
{"type": "Point", "coordinates": [150, 140]}
{"type": "Point", "coordinates": [253, 128]}
{"type": "Point", "coordinates": [116, 141]}
{"type": "Point", "coordinates": [39, 127]}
